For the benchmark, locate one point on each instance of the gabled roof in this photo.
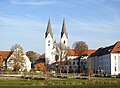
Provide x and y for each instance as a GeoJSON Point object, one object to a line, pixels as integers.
{"type": "Point", "coordinates": [64, 29]}
{"type": "Point", "coordinates": [5, 54]}
{"type": "Point", "coordinates": [49, 29]}
{"type": "Point", "coordinates": [116, 48]}
{"type": "Point", "coordinates": [107, 50]}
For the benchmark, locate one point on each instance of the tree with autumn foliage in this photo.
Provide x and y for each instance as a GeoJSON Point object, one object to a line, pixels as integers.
{"type": "Point", "coordinates": [31, 55]}
{"type": "Point", "coordinates": [40, 67]}
{"type": "Point", "coordinates": [1, 63]}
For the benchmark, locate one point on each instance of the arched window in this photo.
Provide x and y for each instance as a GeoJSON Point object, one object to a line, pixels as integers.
{"type": "Point", "coordinates": [64, 42]}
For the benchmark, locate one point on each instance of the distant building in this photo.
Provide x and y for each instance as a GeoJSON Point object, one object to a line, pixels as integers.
{"type": "Point", "coordinates": [72, 57]}
{"type": "Point", "coordinates": [49, 41]}
{"type": "Point", "coordinates": [107, 60]}
{"type": "Point", "coordinates": [8, 60]}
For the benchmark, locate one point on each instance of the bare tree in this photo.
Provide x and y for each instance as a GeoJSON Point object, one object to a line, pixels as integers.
{"type": "Point", "coordinates": [16, 61]}
{"type": "Point", "coordinates": [61, 52]}
{"type": "Point", "coordinates": [90, 68]}
{"type": "Point", "coordinates": [1, 63]}
{"type": "Point", "coordinates": [81, 48]}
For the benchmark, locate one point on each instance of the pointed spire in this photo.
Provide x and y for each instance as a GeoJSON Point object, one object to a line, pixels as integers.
{"type": "Point", "coordinates": [64, 29]}
{"type": "Point", "coordinates": [49, 29]}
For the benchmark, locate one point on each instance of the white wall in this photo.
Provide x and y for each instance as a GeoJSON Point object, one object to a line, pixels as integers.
{"type": "Point", "coordinates": [115, 64]}
{"type": "Point", "coordinates": [48, 49]}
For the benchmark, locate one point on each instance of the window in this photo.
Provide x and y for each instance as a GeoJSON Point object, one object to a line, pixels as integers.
{"type": "Point", "coordinates": [64, 41]}
{"type": "Point", "coordinates": [115, 57]}
{"type": "Point", "coordinates": [70, 67]}
{"type": "Point", "coordinates": [48, 41]}
{"type": "Point", "coordinates": [73, 63]}
{"type": "Point", "coordinates": [115, 69]}
{"type": "Point", "coordinates": [48, 44]}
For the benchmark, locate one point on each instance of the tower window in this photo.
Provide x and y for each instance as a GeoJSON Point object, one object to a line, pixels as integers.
{"type": "Point", "coordinates": [64, 41]}
{"type": "Point", "coordinates": [48, 41]}
{"type": "Point", "coordinates": [48, 44]}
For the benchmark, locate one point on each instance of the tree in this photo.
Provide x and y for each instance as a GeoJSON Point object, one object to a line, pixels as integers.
{"type": "Point", "coordinates": [40, 67]}
{"type": "Point", "coordinates": [82, 48]}
{"type": "Point", "coordinates": [90, 69]}
{"type": "Point", "coordinates": [61, 52]}
{"type": "Point", "coordinates": [31, 55]}
{"type": "Point", "coordinates": [1, 63]}
{"type": "Point", "coordinates": [16, 61]}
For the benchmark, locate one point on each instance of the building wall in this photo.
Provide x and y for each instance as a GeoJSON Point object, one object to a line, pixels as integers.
{"type": "Point", "coordinates": [109, 63]}
{"type": "Point", "coordinates": [25, 63]}
{"type": "Point", "coordinates": [115, 64]}
{"type": "Point", "coordinates": [49, 49]}
{"type": "Point", "coordinates": [64, 40]}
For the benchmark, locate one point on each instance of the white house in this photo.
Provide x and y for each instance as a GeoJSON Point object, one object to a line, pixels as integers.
{"type": "Point", "coordinates": [18, 58]}
{"type": "Point", "coordinates": [74, 62]}
{"type": "Point", "coordinates": [107, 60]}
{"type": "Point", "coordinates": [10, 58]}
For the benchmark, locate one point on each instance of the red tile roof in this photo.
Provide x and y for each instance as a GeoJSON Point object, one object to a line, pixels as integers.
{"type": "Point", "coordinates": [5, 54]}
{"type": "Point", "coordinates": [72, 52]}
{"type": "Point", "coordinates": [116, 48]}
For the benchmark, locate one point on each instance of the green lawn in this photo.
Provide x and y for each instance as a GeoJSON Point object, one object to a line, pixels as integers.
{"type": "Point", "coordinates": [60, 83]}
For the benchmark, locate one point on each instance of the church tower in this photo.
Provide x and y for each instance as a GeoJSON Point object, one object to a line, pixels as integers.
{"type": "Point", "coordinates": [64, 35]}
{"type": "Point", "coordinates": [48, 44]}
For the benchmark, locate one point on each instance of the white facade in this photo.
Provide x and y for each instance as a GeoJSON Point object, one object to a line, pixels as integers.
{"type": "Point", "coordinates": [23, 61]}
{"type": "Point", "coordinates": [107, 60]}
{"type": "Point", "coordinates": [115, 64]}
{"type": "Point", "coordinates": [64, 40]}
{"type": "Point", "coordinates": [49, 49]}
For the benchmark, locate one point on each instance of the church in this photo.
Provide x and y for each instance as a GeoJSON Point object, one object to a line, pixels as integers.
{"type": "Point", "coordinates": [49, 42]}
{"type": "Point", "coordinates": [49, 57]}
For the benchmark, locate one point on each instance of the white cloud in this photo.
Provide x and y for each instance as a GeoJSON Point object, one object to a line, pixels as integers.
{"type": "Point", "coordinates": [32, 2]}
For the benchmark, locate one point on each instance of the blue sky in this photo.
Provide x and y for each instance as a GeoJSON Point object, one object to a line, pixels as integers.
{"type": "Point", "coordinates": [97, 22]}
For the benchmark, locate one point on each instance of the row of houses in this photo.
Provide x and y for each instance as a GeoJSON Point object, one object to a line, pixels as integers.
{"type": "Point", "coordinates": [107, 60]}
{"type": "Point", "coordinates": [72, 59]}
{"type": "Point", "coordinates": [104, 59]}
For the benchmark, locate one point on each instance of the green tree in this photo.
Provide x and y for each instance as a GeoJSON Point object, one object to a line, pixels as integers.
{"type": "Point", "coordinates": [81, 48]}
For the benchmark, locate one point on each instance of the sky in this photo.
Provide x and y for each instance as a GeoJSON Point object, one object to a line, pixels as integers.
{"type": "Point", "coordinates": [24, 22]}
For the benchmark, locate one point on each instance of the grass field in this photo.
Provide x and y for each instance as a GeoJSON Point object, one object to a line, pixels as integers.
{"type": "Point", "coordinates": [60, 83]}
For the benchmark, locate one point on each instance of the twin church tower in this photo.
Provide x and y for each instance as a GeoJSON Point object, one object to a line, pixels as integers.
{"type": "Point", "coordinates": [49, 40]}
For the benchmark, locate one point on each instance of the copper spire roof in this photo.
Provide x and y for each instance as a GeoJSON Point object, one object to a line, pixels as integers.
{"type": "Point", "coordinates": [64, 29]}
{"type": "Point", "coordinates": [49, 29]}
